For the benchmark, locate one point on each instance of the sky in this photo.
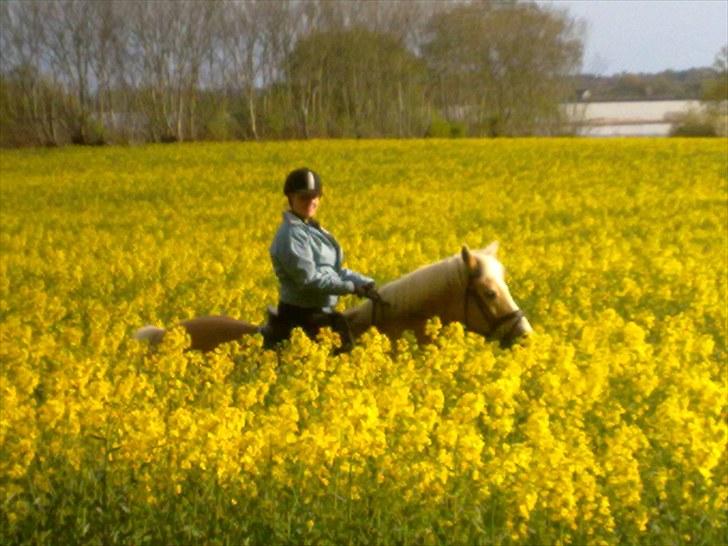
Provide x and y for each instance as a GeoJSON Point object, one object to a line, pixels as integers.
{"type": "Point", "coordinates": [649, 35]}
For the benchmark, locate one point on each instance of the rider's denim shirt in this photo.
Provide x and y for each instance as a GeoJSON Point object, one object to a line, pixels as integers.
{"type": "Point", "coordinates": [307, 261]}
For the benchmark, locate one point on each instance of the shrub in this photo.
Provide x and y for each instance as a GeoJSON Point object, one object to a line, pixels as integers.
{"type": "Point", "coordinates": [442, 128]}
{"type": "Point", "coordinates": [694, 123]}
{"type": "Point", "coordinates": [219, 125]}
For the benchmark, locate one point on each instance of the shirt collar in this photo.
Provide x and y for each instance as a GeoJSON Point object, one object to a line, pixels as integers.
{"type": "Point", "coordinates": [291, 218]}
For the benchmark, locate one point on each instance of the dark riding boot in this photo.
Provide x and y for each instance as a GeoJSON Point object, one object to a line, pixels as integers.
{"type": "Point", "coordinates": [275, 330]}
{"type": "Point", "coordinates": [340, 325]}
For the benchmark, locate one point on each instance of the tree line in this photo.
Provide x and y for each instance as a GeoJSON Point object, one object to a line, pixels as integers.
{"type": "Point", "coordinates": [94, 72]}
{"type": "Point", "coordinates": [691, 84]}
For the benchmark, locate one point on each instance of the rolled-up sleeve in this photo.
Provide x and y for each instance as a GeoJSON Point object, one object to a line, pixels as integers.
{"type": "Point", "coordinates": [296, 258]}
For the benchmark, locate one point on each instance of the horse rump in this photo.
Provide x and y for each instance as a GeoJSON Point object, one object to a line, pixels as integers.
{"type": "Point", "coordinates": [206, 333]}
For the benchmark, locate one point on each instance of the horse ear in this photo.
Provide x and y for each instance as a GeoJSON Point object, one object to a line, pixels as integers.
{"type": "Point", "coordinates": [492, 248]}
{"type": "Point", "coordinates": [471, 261]}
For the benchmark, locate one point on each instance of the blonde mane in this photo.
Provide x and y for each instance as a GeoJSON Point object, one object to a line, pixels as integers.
{"type": "Point", "coordinates": [417, 288]}
{"type": "Point", "coordinates": [416, 292]}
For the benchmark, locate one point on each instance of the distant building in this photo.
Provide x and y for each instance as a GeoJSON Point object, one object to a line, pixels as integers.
{"type": "Point", "coordinates": [628, 118]}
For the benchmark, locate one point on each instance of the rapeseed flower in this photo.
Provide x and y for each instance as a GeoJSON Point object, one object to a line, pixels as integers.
{"type": "Point", "coordinates": [607, 426]}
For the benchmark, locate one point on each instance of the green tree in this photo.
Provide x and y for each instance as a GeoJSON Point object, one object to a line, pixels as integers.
{"type": "Point", "coordinates": [29, 106]}
{"type": "Point", "coordinates": [502, 67]}
{"type": "Point", "coordinates": [357, 83]}
{"type": "Point", "coordinates": [716, 90]}
{"type": "Point", "coordinates": [715, 95]}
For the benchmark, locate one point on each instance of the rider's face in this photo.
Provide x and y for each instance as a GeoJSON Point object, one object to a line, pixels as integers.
{"type": "Point", "coordinates": [304, 205]}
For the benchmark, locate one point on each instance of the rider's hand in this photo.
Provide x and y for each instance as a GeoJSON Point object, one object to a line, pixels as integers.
{"type": "Point", "coordinates": [363, 290]}
{"type": "Point", "coordinates": [374, 295]}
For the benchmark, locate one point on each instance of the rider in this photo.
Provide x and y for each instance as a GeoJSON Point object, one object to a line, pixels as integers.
{"type": "Point", "coordinates": [308, 263]}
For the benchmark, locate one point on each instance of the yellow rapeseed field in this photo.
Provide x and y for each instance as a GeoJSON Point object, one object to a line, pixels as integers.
{"type": "Point", "coordinates": [607, 426]}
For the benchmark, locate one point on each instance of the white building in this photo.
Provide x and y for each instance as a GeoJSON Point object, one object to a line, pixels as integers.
{"type": "Point", "coordinates": [631, 118]}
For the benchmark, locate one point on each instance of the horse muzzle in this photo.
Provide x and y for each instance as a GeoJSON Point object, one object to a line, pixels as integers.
{"type": "Point", "coordinates": [520, 329]}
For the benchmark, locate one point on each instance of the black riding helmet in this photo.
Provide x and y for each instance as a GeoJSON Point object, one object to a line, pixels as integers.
{"type": "Point", "coordinates": [303, 181]}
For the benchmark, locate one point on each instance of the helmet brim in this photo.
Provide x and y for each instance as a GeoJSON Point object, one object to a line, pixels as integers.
{"type": "Point", "coordinates": [306, 193]}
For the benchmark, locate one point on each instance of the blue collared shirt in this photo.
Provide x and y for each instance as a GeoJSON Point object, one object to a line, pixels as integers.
{"type": "Point", "coordinates": [307, 261]}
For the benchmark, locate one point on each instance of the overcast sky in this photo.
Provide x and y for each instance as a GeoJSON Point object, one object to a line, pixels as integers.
{"type": "Point", "coordinates": [649, 35]}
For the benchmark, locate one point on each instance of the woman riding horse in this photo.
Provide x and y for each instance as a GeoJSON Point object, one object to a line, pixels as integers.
{"type": "Point", "coordinates": [307, 260]}
{"type": "Point", "coordinates": [469, 288]}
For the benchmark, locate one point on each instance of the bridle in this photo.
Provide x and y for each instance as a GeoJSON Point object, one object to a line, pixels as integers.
{"type": "Point", "coordinates": [494, 322]}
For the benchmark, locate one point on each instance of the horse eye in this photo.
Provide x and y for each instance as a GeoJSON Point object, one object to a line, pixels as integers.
{"type": "Point", "coordinates": [489, 293]}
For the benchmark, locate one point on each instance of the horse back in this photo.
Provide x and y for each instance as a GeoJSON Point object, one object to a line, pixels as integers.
{"type": "Point", "coordinates": [206, 333]}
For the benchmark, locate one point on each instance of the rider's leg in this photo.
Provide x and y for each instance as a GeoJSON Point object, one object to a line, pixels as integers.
{"type": "Point", "coordinates": [310, 321]}
{"type": "Point", "coordinates": [340, 325]}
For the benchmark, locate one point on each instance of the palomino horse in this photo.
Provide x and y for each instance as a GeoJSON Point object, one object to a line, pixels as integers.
{"type": "Point", "coordinates": [469, 288]}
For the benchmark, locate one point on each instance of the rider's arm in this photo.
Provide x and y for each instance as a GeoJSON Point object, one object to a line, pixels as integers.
{"type": "Point", "coordinates": [296, 257]}
{"type": "Point", "coordinates": [357, 278]}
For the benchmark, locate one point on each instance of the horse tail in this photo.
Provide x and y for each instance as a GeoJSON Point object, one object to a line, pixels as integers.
{"type": "Point", "coordinates": [150, 333]}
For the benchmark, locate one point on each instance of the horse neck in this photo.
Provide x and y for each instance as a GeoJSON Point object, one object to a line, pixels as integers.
{"type": "Point", "coordinates": [430, 291]}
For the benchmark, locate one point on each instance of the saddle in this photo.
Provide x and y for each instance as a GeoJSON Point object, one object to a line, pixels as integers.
{"type": "Point", "coordinates": [278, 328]}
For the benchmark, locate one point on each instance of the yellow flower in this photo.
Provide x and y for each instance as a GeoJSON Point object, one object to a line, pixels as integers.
{"type": "Point", "coordinates": [606, 423]}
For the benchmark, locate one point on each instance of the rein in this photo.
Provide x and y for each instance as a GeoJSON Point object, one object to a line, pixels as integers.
{"type": "Point", "coordinates": [377, 303]}
{"type": "Point", "coordinates": [374, 313]}
{"type": "Point", "coordinates": [494, 322]}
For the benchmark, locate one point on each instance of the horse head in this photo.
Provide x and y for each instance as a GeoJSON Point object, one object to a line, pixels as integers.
{"type": "Point", "coordinates": [488, 307]}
